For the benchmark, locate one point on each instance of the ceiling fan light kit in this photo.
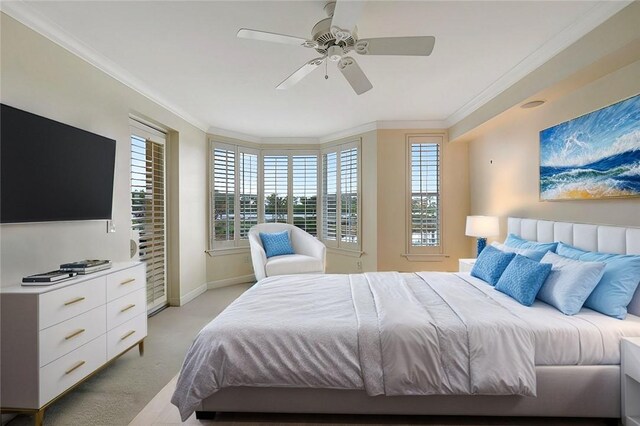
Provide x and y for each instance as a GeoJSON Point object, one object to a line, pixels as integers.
{"type": "Point", "coordinates": [335, 37]}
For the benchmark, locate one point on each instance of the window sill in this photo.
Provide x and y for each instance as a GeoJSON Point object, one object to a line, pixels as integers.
{"type": "Point", "coordinates": [345, 252]}
{"type": "Point", "coordinates": [425, 257]}
{"type": "Point", "coordinates": [227, 251]}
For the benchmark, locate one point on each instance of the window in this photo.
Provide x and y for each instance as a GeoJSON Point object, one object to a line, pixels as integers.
{"type": "Point", "coordinates": [305, 192]}
{"type": "Point", "coordinates": [424, 201]}
{"type": "Point", "coordinates": [276, 188]}
{"type": "Point", "coordinates": [235, 195]}
{"type": "Point", "coordinates": [340, 196]}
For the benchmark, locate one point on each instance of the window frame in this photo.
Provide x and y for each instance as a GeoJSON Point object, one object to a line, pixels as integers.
{"type": "Point", "coordinates": [422, 253]}
{"type": "Point", "coordinates": [338, 148]}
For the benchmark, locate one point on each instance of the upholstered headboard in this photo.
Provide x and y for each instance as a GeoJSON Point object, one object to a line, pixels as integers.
{"type": "Point", "coordinates": [608, 239]}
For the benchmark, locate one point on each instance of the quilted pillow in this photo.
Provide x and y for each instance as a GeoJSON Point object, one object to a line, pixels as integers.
{"type": "Point", "coordinates": [530, 253]}
{"type": "Point", "coordinates": [569, 283]}
{"type": "Point", "coordinates": [518, 242]}
{"type": "Point", "coordinates": [618, 283]}
{"type": "Point", "coordinates": [490, 264]}
{"type": "Point", "coordinates": [276, 244]}
{"type": "Point", "coordinates": [523, 278]}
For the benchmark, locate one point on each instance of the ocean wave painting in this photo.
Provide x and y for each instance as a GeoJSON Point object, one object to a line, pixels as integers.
{"type": "Point", "coordinates": [594, 156]}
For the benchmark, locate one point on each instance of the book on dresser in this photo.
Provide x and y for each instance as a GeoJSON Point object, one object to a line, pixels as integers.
{"type": "Point", "coordinates": [86, 266]}
{"type": "Point", "coordinates": [48, 278]}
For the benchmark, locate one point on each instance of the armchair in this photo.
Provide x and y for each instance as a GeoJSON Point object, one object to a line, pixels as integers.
{"type": "Point", "coordinates": [310, 254]}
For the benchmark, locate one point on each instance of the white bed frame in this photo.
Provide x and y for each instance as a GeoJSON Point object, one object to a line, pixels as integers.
{"type": "Point", "coordinates": [563, 391]}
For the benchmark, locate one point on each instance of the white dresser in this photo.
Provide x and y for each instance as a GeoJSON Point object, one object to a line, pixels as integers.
{"type": "Point", "coordinates": [55, 336]}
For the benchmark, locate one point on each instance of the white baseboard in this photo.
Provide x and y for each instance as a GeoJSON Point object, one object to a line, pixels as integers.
{"type": "Point", "coordinates": [189, 296]}
{"type": "Point", "coordinates": [231, 281]}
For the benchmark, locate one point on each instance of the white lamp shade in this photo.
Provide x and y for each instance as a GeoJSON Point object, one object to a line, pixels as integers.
{"type": "Point", "coordinates": [482, 226]}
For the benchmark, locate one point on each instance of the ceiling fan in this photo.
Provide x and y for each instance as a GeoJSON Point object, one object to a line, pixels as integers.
{"type": "Point", "coordinates": [335, 37]}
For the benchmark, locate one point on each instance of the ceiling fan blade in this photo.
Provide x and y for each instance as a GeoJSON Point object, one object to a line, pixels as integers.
{"type": "Point", "coordinates": [412, 46]}
{"type": "Point", "coordinates": [275, 38]}
{"type": "Point", "coordinates": [346, 15]}
{"type": "Point", "coordinates": [354, 75]}
{"type": "Point", "coordinates": [301, 73]}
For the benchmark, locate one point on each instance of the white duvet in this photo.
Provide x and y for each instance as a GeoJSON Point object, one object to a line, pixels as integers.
{"type": "Point", "coordinates": [384, 332]}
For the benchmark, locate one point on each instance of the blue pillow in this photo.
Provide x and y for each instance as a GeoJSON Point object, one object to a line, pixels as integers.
{"type": "Point", "coordinates": [491, 264]}
{"type": "Point", "coordinates": [530, 253]}
{"type": "Point", "coordinates": [618, 283]}
{"type": "Point", "coordinates": [523, 278]}
{"type": "Point", "coordinates": [569, 283]}
{"type": "Point", "coordinates": [276, 244]}
{"type": "Point", "coordinates": [517, 242]}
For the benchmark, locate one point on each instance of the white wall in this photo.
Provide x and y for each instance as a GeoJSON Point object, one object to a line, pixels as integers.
{"type": "Point", "coordinates": [41, 77]}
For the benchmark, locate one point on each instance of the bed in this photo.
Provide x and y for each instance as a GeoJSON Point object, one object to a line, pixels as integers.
{"type": "Point", "coordinates": [336, 358]}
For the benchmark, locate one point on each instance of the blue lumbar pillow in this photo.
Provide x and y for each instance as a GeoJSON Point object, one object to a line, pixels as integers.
{"type": "Point", "coordinates": [523, 278]}
{"type": "Point", "coordinates": [618, 283]}
{"type": "Point", "coordinates": [530, 253]}
{"type": "Point", "coordinates": [491, 264]}
{"type": "Point", "coordinates": [569, 283]}
{"type": "Point", "coordinates": [276, 244]}
{"type": "Point", "coordinates": [517, 242]}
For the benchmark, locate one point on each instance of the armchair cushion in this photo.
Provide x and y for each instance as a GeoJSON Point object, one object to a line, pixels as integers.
{"type": "Point", "coordinates": [293, 264]}
{"type": "Point", "coordinates": [276, 244]}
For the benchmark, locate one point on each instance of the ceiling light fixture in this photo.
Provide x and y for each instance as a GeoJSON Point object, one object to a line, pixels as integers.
{"type": "Point", "coordinates": [532, 104]}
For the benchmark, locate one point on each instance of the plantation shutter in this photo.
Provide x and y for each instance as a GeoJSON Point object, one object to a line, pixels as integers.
{"type": "Point", "coordinates": [276, 188]}
{"type": "Point", "coordinates": [248, 192]}
{"type": "Point", "coordinates": [305, 192]}
{"type": "Point", "coordinates": [224, 168]}
{"type": "Point", "coordinates": [349, 195]}
{"type": "Point", "coordinates": [425, 194]}
{"type": "Point", "coordinates": [329, 196]}
{"type": "Point", "coordinates": [148, 210]}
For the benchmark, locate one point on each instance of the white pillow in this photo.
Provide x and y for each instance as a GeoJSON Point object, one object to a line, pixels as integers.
{"type": "Point", "coordinates": [530, 253]}
{"type": "Point", "coordinates": [570, 282]}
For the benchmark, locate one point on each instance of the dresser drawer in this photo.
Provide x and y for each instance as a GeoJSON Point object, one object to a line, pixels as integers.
{"type": "Point", "coordinates": [124, 336]}
{"type": "Point", "coordinates": [64, 372]}
{"type": "Point", "coordinates": [125, 282]}
{"type": "Point", "coordinates": [70, 334]}
{"type": "Point", "coordinates": [126, 307]}
{"type": "Point", "coordinates": [68, 302]}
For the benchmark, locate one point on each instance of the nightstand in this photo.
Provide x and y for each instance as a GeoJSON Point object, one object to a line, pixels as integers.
{"type": "Point", "coordinates": [465, 265]}
{"type": "Point", "coordinates": [630, 378]}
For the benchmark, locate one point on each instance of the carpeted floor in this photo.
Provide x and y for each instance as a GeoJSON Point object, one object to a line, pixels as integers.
{"type": "Point", "coordinates": [117, 394]}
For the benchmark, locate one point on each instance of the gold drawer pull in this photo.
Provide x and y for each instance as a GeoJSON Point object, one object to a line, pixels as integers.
{"type": "Point", "coordinates": [75, 367]}
{"type": "Point", "coordinates": [130, 280]}
{"type": "Point", "coordinates": [126, 308]}
{"type": "Point", "coordinates": [76, 300]}
{"type": "Point", "coordinates": [128, 334]}
{"type": "Point", "coordinates": [74, 334]}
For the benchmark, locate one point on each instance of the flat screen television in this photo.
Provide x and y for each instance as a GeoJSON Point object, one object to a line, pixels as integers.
{"type": "Point", "coordinates": [51, 171]}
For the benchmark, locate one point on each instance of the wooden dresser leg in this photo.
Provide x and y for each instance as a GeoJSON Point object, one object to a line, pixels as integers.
{"type": "Point", "coordinates": [39, 417]}
{"type": "Point", "coordinates": [141, 347]}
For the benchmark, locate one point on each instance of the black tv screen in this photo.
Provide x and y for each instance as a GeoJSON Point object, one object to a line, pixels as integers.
{"type": "Point", "coordinates": [50, 171]}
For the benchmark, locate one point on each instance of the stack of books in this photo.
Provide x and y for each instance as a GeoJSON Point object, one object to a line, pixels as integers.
{"type": "Point", "coordinates": [48, 278]}
{"type": "Point", "coordinates": [83, 267]}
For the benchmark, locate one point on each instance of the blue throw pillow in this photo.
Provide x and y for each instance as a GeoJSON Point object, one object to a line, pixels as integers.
{"type": "Point", "coordinates": [523, 278]}
{"type": "Point", "coordinates": [530, 253]}
{"type": "Point", "coordinates": [276, 244]}
{"type": "Point", "coordinates": [618, 283]}
{"type": "Point", "coordinates": [517, 242]}
{"type": "Point", "coordinates": [569, 283]}
{"type": "Point", "coordinates": [491, 264]}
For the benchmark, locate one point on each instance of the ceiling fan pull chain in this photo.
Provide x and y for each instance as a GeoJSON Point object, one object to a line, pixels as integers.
{"type": "Point", "coordinates": [326, 75]}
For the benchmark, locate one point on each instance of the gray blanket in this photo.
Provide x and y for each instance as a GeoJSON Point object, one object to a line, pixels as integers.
{"type": "Point", "coordinates": [384, 332]}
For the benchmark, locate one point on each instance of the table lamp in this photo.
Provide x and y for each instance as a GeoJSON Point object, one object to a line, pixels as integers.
{"type": "Point", "coordinates": [482, 227]}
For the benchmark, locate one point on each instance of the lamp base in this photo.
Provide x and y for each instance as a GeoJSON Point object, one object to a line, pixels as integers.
{"type": "Point", "coordinates": [482, 243]}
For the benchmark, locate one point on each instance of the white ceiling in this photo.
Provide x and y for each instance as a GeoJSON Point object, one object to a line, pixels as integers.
{"type": "Point", "coordinates": [186, 56]}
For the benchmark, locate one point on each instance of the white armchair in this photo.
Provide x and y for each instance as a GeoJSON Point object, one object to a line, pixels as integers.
{"type": "Point", "coordinates": [310, 254]}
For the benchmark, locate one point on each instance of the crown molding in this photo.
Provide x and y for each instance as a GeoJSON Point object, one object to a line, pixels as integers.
{"type": "Point", "coordinates": [25, 14]}
{"type": "Point", "coordinates": [217, 131]}
{"type": "Point", "coordinates": [411, 124]}
{"type": "Point", "coordinates": [569, 35]}
{"type": "Point", "coordinates": [363, 128]}
{"type": "Point", "coordinates": [290, 141]}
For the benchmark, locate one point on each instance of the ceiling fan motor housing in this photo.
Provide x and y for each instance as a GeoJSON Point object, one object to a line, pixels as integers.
{"type": "Point", "coordinates": [321, 33]}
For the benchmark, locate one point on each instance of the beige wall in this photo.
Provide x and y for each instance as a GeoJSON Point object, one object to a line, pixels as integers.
{"type": "Point", "coordinates": [504, 160]}
{"type": "Point", "coordinates": [392, 187]}
{"type": "Point", "coordinates": [41, 77]}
